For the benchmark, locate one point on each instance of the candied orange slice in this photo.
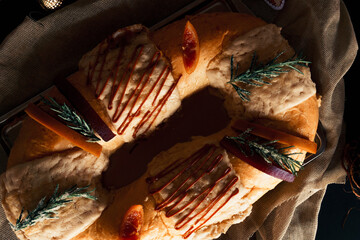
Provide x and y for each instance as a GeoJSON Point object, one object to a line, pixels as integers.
{"type": "Point", "coordinates": [132, 222]}
{"type": "Point", "coordinates": [190, 48]}
{"type": "Point", "coordinates": [62, 130]}
{"type": "Point", "coordinates": [274, 134]}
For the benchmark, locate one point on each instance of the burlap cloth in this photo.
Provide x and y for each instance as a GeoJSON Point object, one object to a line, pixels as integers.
{"type": "Point", "coordinates": [37, 52]}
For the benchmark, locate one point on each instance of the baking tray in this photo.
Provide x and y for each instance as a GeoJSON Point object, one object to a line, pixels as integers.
{"type": "Point", "coordinates": [10, 123]}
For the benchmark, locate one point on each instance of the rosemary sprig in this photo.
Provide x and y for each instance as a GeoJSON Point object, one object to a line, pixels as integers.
{"type": "Point", "coordinates": [260, 74]}
{"type": "Point", "coordinates": [48, 209]}
{"type": "Point", "coordinates": [74, 121]}
{"type": "Point", "coordinates": [267, 151]}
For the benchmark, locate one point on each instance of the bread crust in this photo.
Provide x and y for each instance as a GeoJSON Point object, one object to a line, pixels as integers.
{"type": "Point", "coordinates": [213, 30]}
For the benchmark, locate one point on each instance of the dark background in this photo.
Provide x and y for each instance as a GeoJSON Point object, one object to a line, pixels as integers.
{"type": "Point", "coordinates": [339, 199]}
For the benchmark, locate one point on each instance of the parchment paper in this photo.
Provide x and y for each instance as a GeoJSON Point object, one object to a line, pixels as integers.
{"type": "Point", "coordinates": [35, 53]}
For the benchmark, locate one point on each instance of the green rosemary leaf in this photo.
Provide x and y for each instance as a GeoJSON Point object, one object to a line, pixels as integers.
{"type": "Point", "coordinates": [74, 121]}
{"type": "Point", "coordinates": [267, 151]}
{"type": "Point", "coordinates": [48, 209]}
{"type": "Point", "coordinates": [259, 74]}
{"type": "Point", "coordinates": [241, 92]}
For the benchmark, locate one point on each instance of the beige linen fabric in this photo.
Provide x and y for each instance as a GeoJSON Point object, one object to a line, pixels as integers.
{"type": "Point", "coordinates": [37, 52]}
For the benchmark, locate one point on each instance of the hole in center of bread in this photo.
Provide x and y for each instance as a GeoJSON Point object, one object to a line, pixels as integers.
{"type": "Point", "coordinates": [200, 115]}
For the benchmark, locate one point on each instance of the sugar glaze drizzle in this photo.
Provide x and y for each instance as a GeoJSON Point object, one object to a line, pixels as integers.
{"type": "Point", "coordinates": [120, 80]}
{"type": "Point", "coordinates": [186, 196]}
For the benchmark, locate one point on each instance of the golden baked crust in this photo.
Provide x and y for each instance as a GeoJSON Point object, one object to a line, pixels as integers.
{"type": "Point", "coordinates": [213, 30]}
{"type": "Point", "coordinates": [34, 141]}
{"type": "Point", "coordinates": [300, 120]}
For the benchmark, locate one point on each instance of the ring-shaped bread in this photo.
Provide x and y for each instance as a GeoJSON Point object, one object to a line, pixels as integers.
{"type": "Point", "coordinates": [288, 104]}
